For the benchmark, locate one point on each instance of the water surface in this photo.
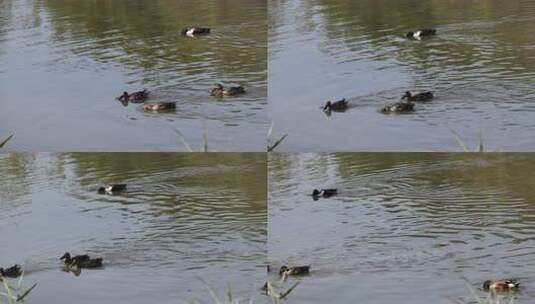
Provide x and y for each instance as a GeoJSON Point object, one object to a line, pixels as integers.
{"type": "Point", "coordinates": [481, 67]}
{"type": "Point", "coordinates": [405, 228]}
{"type": "Point", "coordinates": [62, 63]}
{"type": "Point", "coordinates": [185, 219]}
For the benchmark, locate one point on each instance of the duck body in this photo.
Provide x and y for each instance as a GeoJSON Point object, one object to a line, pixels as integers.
{"type": "Point", "coordinates": [159, 106]}
{"type": "Point", "coordinates": [194, 31]}
{"type": "Point", "coordinates": [11, 272]}
{"type": "Point", "coordinates": [112, 189]}
{"type": "Point", "coordinates": [286, 271]}
{"type": "Point", "coordinates": [81, 261]}
{"type": "Point", "coordinates": [419, 34]}
{"type": "Point", "coordinates": [136, 97]}
{"type": "Point", "coordinates": [220, 91]}
{"type": "Point", "coordinates": [423, 97]}
{"type": "Point", "coordinates": [501, 285]}
{"type": "Point", "coordinates": [337, 106]}
{"type": "Point", "coordinates": [398, 107]}
{"type": "Point", "coordinates": [324, 193]}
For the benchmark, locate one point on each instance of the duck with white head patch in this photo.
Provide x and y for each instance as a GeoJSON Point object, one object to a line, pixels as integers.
{"type": "Point", "coordinates": [422, 33]}
{"type": "Point", "coordinates": [195, 31]}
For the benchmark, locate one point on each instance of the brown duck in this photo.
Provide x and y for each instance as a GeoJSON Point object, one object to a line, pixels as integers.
{"type": "Point", "coordinates": [11, 272]}
{"type": "Point", "coordinates": [220, 91]}
{"type": "Point", "coordinates": [81, 261]}
{"type": "Point", "coordinates": [159, 106]}
{"type": "Point", "coordinates": [286, 271]}
{"type": "Point", "coordinates": [136, 97]}
{"type": "Point", "coordinates": [424, 96]}
{"type": "Point", "coordinates": [336, 106]}
{"type": "Point", "coordinates": [501, 285]}
{"type": "Point", "coordinates": [398, 107]}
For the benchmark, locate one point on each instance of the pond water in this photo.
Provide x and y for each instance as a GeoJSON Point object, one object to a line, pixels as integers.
{"type": "Point", "coordinates": [184, 219]}
{"type": "Point", "coordinates": [480, 66]}
{"type": "Point", "coordinates": [62, 63]}
{"type": "Point", "coordinates": [404, 228]}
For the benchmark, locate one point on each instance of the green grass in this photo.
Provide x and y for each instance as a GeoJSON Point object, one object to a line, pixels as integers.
{"type": "Point", "coordinates": [274, 293]}
{"type": "Point", "coordinates": [182, 139]}
{"type": "Point", "coordinates": [11, 293]}
{"type": "Point", "coordinates": [480, 147]}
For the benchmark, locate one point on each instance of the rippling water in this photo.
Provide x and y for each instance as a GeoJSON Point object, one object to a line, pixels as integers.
{"type": "Point", "coordinates": [481, 67]}
{"type": "Point", "coordinates": [183, 218]}
{"type": "Point", "coordinates": [405, 228]}
{"type": "Point", "coordinates": [62, 63]}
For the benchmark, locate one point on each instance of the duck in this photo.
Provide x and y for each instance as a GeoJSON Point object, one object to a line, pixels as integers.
{"type": "Point", "coordinates": [286, 271]}
{"type": "Point", "coordinates": [159, 106]}
{"type": "Point", "coordinates": [112, 189]}
{"type": "Point", "coordinates": [11, 272]}
{"type": "Point", "coordinates": [337, 106]}
{"type": "Point", "coordinates": [193, 31]}
{"type": "Point", "coordinates": [136, 97]}
{"type": "Point", "coordinates": [419, 34]}
{"type": "Point", "coordinates": [424, 96]}
{"type": "Point", "coordinates": [398, 107]}
{"type": "Point", "coordinates": [501, 285]}
{"type": "Point", "coordinates": [324, 193]}
{"type": "Point", "coordinates": [81, 261]}
{"type": "Point", "coordinates": [220, 91]}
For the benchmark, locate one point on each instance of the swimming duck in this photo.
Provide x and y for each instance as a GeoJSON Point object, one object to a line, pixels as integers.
{"type": "Point", "coordinates": [136, 97]}
{"type": "Point", "coordinates": [286, 271]}
{"type": "Point", "coordinates": [112, 189]}
{"type": "Point", "coordinates": [324, 193]}
{"type": "Point", "coordinates": [337, 106]}
{"type": "Point", "coordinates": [398, 107]}
{"type": "Point", "coordinates": [11, 272]}
{"type": "Point", "coordinates": [192, 31]}
{"type": "Point", "coordinates": [220, 91]}
{"type": "Point", "coordinates": [424, 96]}
{"type": "Point", "coordinates": [501, 285]}
{"type": "Point", "coordinates": [81, 261]}
{"type": "Point", "coordinates": [159, 106]}
{"type": "Point", "coordinates": [419, 34]}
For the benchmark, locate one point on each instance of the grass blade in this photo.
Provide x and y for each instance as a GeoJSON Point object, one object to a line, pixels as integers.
{"type": "Point", "coordinates": [459, 140]}
{"type": "Point", "coordinates": [229, 292]}
{"type": "Point", "coordinates": [481, 141]}
{"type": "Point", "coordinates": [3, 143]}
{"type": "Point", "coordinates": [278, 142]}
{"type": "Point", "coordinates": [205, 139]}
{"type": "Point", "coordinates": [287, 292]}
{"type": "Point", "coordinates": [24, 294]}
{"type": "Point", "coordinates": [182, 139]}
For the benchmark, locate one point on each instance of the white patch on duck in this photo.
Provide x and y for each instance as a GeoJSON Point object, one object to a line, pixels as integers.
{"type": "Point", "coordinates": [417, 35]}
{"type": "Point", "coordinates": [109, 189]}
{"type": "Point", "coordinates": [190, 32]}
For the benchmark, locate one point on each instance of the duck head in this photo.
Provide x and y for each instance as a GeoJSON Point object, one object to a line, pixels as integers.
{"type": "Point", "coordinates": [66, 256]}
{"type": "Point", "coordinates": [101, 190]}
{"type": "Point", "coordinates": [407, 95]}
{"type": "Point", "coordinates": [124, 96]}
{"type": "Point", "coordinates": [328, 106]}
{"type": "Point", "coordinates": [486, 284]}
{"type": "Point", "coordinates": [283, 270]}
{"type": "Point", "coordinates": [410, 35]}
{"type": "Point", "coordinates": [316, 192]}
